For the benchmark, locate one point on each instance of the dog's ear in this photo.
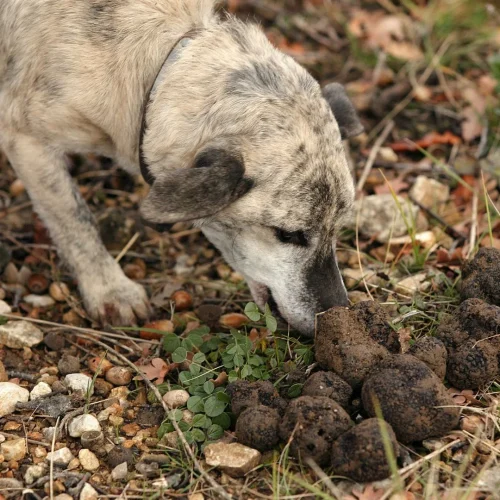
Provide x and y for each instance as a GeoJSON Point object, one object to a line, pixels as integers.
{"type": "Point", "coordinates": [214, 181]}
{"type": "Point", "coordinates": [343, 110]}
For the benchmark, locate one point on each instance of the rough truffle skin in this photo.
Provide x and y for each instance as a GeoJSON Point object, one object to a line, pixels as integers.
{"type": "Point", "coordinates": [315, 423]}
{"type": "Point", "coordinates": [481, 277]}
{"type": "Point", "coordinates": [411, 397]}
{"type": "Point", "coordinates": [473, 365]}
{"type": "Point", "coordinates": [328, 385]}
{"type": "Point", "coordinates": [258, 428]}
{"type": "Point", "coordinates": [246, 394]}
{"type": "Point", "coordinates": [432, 352]}
{"type": "Point", "coordinates": [359, 453]}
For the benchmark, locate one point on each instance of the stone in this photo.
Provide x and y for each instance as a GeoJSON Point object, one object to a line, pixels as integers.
{"type": "Point", "coordinates": [83, 423]}
{"type": "Point", "coordinates": [79, 382]}
{"type": "Point", "coordinates": [88, 460]}
{"type": "Point", "coordinates": [4, 307]}
{"type": "Point", "coordinates": [381, 217]}
{"type": "Point", "coordinates": [234, 459]}
{"type": "Point", "coordinates": [119, 375]}
{"type": "Point", "coordinates": [176, 398]}
{"type": "Point", "coordinates": [120, 472]}
{"type": "Point", "coordinates": [40, 389]}
{"type": "Point", "coordinates": [88, 493]}
{"type": "Point", "coordinates": [34, 472]}
{"type": "Point", "coordinates": [10, 487]}
{"type": "Point", "coordinates": [14, 449]}
{"type": "Point", "coordinates": [10, 394]}
{"type": "Point", "coordinates": [429, 192]}
{"type": "Point", "coordinates": [20, 334]}
{"type": "Point", "coordinates": [39, 300]}
{"type": "Point", "coordinates": [60, 457]}
{"type": "Point", "coordinates": [68, 364]}
{"type": "Point", "coordinates": [413, 284]}
{"type": "Point", "coordinates": [118, 455]}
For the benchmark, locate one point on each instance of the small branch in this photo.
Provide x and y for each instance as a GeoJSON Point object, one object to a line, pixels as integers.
{"type": "Point", "coordinates": [337, 494]}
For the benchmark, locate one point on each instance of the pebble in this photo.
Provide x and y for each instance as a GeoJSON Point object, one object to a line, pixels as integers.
{"type": "Point", "coordinates": [54, 341]}
{"type": "Point", "coordinates": [39, 300]}
{"type": "Point", "coordinates": [118, 395]}
{"type": "Point", "coordinates": [118, 455]}
{"type": "Point", "coordinates": [83, 423]}
{"type": "Point", "coordinates": [34, 472]}
{"type": "Point", "coordinates": [119, 472]}
{"type": "Point", "coordinates": [15, 449]}
{"type": "Point", "coordinates": [176, 398]}
{"type": "Point", "coordinates": [234, 459]}
{"type": "Point", "coordinates": [3, 373]}
{"type": "Point", "coordinates": [10, 394]}
{"type": "Point", "coordinates": [4, 307]}
{"type": "Point", "coordinates": [429, 192]}
{"type": "Point", "coordinates": [10, 487]}
{"type": "Point", "coordinates": [79, 382]}
{"type": "Point", "coordinates": [119, 375]}
{"type": "Point", "coordinates": [20, 334]}
{"type": "Point", "coordinates": [68, 364]}
{"type": "Point", "coordinates": [59, 291]}
{"type": "Point", "coordinates": [413, 284]}
{"type": "Point", "coordinates": [63, 496]}
{"type": "Point", "coordinates": [88, 493]}
{"type": "Point", "coordinates": [88, 460]}
{"type": "Point", "coordinates": [40, 389]}
{"type": "Point", "coordinates": [60, 457]}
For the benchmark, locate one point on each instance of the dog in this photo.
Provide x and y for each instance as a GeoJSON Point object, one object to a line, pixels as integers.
{"type": "Point", "coordinates": [230, 133]}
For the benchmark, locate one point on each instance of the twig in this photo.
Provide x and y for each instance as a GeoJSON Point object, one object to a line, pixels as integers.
{"type": "Point", "coordinates": [51, 472]}
{"type": "Point", "coordinates": [337, 494]}
{"type": "Point", "coordinates": [127, 247]}
{"type": "Point", "coordinates": [473, 229]}
{"type": "Point", "coordinates": [373, 154]}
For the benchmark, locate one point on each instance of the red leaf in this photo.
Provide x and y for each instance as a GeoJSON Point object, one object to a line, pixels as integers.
{"type": "Point", "coordinates": [426, 141]}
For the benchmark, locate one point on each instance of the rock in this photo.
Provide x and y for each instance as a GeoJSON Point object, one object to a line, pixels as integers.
{"type": "Point", "coordinates": [14, 449]}
{"type": "Point", "coordinates": [3, 373]}
{"type": "Point", "coordinates": [315, 423]}
{"type": "Point", "coordinates": [4, 307]}
{"type": "Point", "coordinates": [412, 284]}
{"type": "Point", "coordinates": [63, 496]}
{"type": "Point", "coordinates": [68, 364]}
{"type": "Point", "coordinates": [176, 398]}
{"type": "Point", "coordinates": [351, 342]}
{"type": "Point", "coordinates": [381, 218]}
{"type": "Point", "coordinates": [55, 341]}
{"type": "Point", "coordinates": [258, 428]}
{"type": "Point", "coordinates": [88, 493]}
{"type": "Point", "coordinates": [246, 394]}
{"type": "Point", "coordinates": [481, 276]}
{"type": "Point", "coordinates": [119, 375]}
{"type": "Point", "coordinates": [171, 440]}
{"type": "Point", "coordinates": [359, 453]}
{"type": "Point", "coordinates": [411, 397]}
{"type": "Point", "coordinates": [356, 278]}
{"type": "Point", "coordinates": [79, 382]}
{"type": "Point", "coordinates": [149, 416]}
{"type": "Point", "coordinates": [10, 395]}
{"type": "Point", "coordinates": [148, 470]}
{"type": "Point", "coordinates": [432, 352]}
{"type": "Point", "coordinates": [118, 395]}
{"type": "Point", "coordinates": [119, 472]}
{"type": "Point", "coordinates": [11, 488]}
{"type": "Point", "coordinates": [118, 455]}
{"type": "Point", "coordinates": [356, 296]}
{"type": "Point", "coordinates": [34, 472]}
{"type": "Point", "coordinates": [101, 387]}
{"type": "Point", "coordinates": [88, 460]}
{"type": "Point", "coordinates": [60, 457]}
{"type": "Point", "coordinates": [20, 334]}
{"type": "Point", "coordinates": [234, 459]}
{"type": "Point", "coordinates": [39, 300]}
{"type": "Point", "coordinates": [430, 193]}
{"type": "Point", "coordinates": [328, 385]}
{"type": "Point", "coordinates": [40, 389]}
{"type": "Point", "coordinates": [83, 423]}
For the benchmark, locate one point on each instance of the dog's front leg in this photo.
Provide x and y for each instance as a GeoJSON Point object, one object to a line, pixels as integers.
{"type": "Point", "coordinates": [109, 296]}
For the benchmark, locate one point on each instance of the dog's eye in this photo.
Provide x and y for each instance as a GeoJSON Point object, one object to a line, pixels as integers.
{"type": "Point", "coordinates": [293, 237]}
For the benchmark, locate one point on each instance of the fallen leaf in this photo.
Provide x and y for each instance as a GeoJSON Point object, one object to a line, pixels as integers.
{"type": "Point", "coordinates": [155, 369]}
{"type": "Point", "coordinates": [368, 493]}
{"type": "Point", "coordinates": [426, 141]}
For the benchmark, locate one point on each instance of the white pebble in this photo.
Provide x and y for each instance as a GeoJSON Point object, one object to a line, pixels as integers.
{"type": "Point", "coordinates": [79, 382]}
{"type": "Point", "coordinates": [60, 457]}
{"type": "Point", "coordinates": [176, 398]}
{"type": "Point", "coordinates": [40, 389]}
{"type": "Point", "coordinates": [83, 423]}
{"type": "Point", "coordinates": [39, 300]}
{"type": "Point", "coordinates": [10, 394]}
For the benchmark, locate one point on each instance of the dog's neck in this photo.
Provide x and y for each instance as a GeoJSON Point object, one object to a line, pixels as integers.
{"type": "Point", "coordinates": [173, 55]}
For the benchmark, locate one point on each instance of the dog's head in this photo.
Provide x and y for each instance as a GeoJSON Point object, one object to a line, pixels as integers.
{"type": "Point", "coordinates": [269, 182]}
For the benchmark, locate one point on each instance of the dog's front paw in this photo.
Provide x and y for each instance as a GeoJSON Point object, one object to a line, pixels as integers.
{"type": "Point", "coordinates": [117, 301]}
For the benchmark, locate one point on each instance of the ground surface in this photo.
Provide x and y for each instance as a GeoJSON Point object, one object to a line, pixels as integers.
{"type": "Point", "coordinates": [424, 77]}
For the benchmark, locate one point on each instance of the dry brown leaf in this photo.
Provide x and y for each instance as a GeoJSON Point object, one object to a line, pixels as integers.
{"type": "Point", "coordinates": [155, 369]}
{"type": "Point", "coordinates": [426, 141]}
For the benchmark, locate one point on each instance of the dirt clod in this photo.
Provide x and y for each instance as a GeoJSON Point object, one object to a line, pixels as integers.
{"type": "Point", "coordinates": [118, 455]}
{"type": "Point", "coordinates": [411, 397]}
{"type": "Point", "coordinates": [359, 453]}
{"type": "Point", "coordinates": [315, 423]}
{"type": "Point", "coordinates": [481, 277]}
{"type": "Point", "coordinates": [68, 364]}
{"type": "Point", "coordinates": [329, 385]}
{"type": "Point", "coordinates": [258, 428]}
{"type": "Point", "coordinates": [246, 394]}
{"type": "Point", "coordinates": [432, 352]}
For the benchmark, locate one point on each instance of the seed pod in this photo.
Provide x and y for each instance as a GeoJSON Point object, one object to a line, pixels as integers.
{"type": "Point", "coordinates": [233, 320]}
{"type": "Point", "coordinates": [59, 291]}
{"type": "Point", "coordinates": [182, 300]}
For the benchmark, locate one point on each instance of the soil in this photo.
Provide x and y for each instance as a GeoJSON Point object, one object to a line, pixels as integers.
{"type": "Point", "coordinates": [258, 427]}
{"type": "Point", "coordinates": [359, 453]}
{"type": "Point", "coordinates": [329, 385]}
{"type": "Point", "coordinates": [411, 397]}
{"type": "Point", "coordinates": [314, 422]}
{"type": "Point", "coordinates": [246, 394]}
{"type": "Point", "coordinates": [432, 352]}
{"type": "Point", "coordinates": [481, 277]}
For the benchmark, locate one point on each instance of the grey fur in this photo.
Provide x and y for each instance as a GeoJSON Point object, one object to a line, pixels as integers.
{"type": "Point", "coordinates": [73, 78]}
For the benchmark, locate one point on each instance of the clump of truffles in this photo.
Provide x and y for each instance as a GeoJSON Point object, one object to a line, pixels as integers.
{"type": "Point", "coordinates": [344, 344]}
{"type": "Point", "coordinates": [411, 398]}
{"type": "Point", "coordinates": [472, 365]}
{"type": "Point", "coordinates": [481, 277]}
{"type": "Point", "coordinates": [359, 453]}
{"type": "Point", "coordinates": [258, 428]}
{"type": "Point", "coordinates": [432, 352]}
{"type": "Point", "coordinates": [314, 422]}
{"type": "Point", "coordinates": [246, 394]}
{"type": "Point", "coordinates": [328, 385]}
